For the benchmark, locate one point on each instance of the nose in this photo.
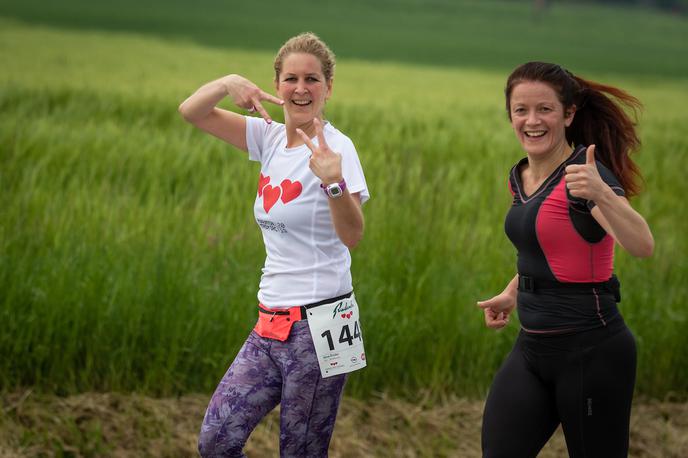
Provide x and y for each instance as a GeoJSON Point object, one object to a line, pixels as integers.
{"type": "Point", "coordinates": [301, 86]}
{"type": "Point", "coordinates": [532, 118]}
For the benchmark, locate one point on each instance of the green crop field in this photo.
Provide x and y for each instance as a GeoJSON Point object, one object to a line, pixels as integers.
{"type": "Point", "coordinates": [129, 258]}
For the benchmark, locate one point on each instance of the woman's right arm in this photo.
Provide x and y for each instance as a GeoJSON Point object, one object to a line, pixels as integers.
{"type": "Point", "coordinates": [200, 108]}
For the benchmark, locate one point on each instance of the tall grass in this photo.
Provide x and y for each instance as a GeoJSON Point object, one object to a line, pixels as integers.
{"type": "Point", "coordinates": [129, 259]}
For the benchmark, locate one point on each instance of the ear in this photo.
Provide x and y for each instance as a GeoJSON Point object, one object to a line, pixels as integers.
{"type": "Point", "coordinates": [569, 113]}
{"type": "Point", "coordinates": [330, 83]}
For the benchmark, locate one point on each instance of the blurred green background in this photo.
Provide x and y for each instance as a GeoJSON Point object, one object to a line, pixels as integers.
{"type": "Point", "coordinates": [129, 258]}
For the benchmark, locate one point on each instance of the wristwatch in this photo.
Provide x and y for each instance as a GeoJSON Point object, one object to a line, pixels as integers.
{"type": "Point", "coordinates": [334, 190]}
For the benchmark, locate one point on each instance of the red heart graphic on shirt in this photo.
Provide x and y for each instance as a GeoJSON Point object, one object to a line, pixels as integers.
{"type": "Point", "coordinates": [343, 315]}
{"type": "Point", "coordinates": [290, 190]}
{"type": "Point", "coordinates": [270, 196]}
{"type": "Point", "coordinates": [262, 181]}
{"type": "Point", "coordinates": [348, 315]}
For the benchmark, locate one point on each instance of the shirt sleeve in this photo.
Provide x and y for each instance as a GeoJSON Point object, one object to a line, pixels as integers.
{"type": "Point", "coordinates": [511, 181]}
{"type": "Point", "coordinates": [353, 171]}
{"type": "Point", "coordinates": [611, 180]}
{"type": "Point", "coordinates": [256, 132]}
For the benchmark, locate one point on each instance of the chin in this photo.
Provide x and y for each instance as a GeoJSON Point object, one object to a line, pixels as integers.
{"type": "Point", "coordinates": [537, 151]}
{"type": "Point", "coordinates": [534, 151]}
{"type": "Point", "coordinates": [536, 148]}
{"type": "Point", "coordinates": [298, 118]}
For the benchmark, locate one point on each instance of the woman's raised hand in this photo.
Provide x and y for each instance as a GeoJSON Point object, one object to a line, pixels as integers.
{"type": "Point", "coordinates": [583, 180]}
{"type": "Point", "coordinates": [325, 163]}
{"type": "Point", "coordinates": [247, 95]}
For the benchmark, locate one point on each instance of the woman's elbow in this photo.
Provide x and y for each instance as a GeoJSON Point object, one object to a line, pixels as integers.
{"type": "Point", "coordinates": [648, 250]}
{"type": "Point", "coordinates": [644, 250]}
{"type": "Point", "coordinates": [351, 241]}
{"type": "Point", "coordinates": [190, 113]}
{"type": "Point", "coordinates": [185, 112]}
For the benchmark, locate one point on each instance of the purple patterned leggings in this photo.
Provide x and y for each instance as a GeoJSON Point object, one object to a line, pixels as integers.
{"type": "Point", "coordinates": [265, 373]}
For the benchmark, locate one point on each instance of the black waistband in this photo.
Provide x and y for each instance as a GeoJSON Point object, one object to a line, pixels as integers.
{"type": "Point", "coordinates": [329, 301]}
{"type": "Point", "coordinates": [304, 315]}
{"type": "Point", "coordinates": [531, 285]}
{"type": "Point", "coordinates": [570, 339]}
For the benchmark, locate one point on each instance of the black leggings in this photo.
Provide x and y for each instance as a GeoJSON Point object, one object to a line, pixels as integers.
{"type": "Point", "coordinates": [583, 381]}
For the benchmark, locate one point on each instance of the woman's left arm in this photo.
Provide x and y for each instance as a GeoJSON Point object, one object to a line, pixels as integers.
{"type": "Point", "coordinates": [347, 215]}
{"type": "Point", "coordinates": [612, 212]}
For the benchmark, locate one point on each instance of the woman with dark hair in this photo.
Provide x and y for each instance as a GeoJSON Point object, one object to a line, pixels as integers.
{"type": "Point", "coordinates": [308, 207]}
{"type": "Point", "coordinates": [574, 360]}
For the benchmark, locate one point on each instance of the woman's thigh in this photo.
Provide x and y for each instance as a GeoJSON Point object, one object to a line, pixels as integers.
{"type": "Point", "coordinates": [250, 389]}
{"type": "Point", "coordinates": [594, 398]}
{"type": "Point", "coordinates": [309, 401]}
{"type": "Point", "coordinates": [520, 413]}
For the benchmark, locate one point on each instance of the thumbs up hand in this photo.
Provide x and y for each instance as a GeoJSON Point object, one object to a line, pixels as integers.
{"type": "Point", "coordinates": [584, 180]}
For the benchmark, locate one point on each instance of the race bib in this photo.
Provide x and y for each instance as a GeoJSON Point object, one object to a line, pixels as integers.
{"type": "Point", "coordinates": [336, 332]}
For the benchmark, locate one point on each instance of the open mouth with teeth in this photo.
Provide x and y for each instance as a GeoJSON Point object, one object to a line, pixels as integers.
{"type": "Point", "coordinates": [302, 103]}
{"type": "Point", "coordinates": [535, 133]}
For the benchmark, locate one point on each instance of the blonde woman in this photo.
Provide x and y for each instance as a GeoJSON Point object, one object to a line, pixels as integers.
{"type": "Point", "coordinates": [308, 207]}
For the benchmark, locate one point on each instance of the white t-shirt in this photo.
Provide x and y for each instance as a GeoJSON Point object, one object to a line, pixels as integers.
{"type": "Point", "coordinates": [306, 262]}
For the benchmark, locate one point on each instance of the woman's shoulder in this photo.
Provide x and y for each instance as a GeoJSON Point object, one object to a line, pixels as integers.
{"type": "Point", "coordinates": [577, 155]}
{"type": "Point", "coordinates": [337, 140]}
{"type": "Point", "coordinates": [519, 166]}
{"type": "Point", "coordinates": [272, 134]}
{"type": "Point", "coordinates": [259, 124]}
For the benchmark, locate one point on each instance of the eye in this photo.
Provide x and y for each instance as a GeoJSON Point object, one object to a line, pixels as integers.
{"type": "Point", "coordinates": [290, 78]}
{"type": "Point", "coordinates": [519, 110]}
{"type": "Point", "coordinates": [312, 79]}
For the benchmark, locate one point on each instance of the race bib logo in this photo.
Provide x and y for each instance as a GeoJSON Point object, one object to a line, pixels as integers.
{"type": "Point", "coordinates": [341, 308]}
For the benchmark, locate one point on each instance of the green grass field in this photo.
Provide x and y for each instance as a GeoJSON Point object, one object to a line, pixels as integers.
{"type": "Point", "coordinates": [129, 258]}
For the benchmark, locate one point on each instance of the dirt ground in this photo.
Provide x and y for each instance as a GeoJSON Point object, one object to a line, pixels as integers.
{"type": "Point", "coordinates": [117, 425]}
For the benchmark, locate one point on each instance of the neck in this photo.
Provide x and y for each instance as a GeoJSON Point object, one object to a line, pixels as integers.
{"type": "Point", "coordinates": [542, 166]}
{"type": "Point", "coordinates": [293, 138]}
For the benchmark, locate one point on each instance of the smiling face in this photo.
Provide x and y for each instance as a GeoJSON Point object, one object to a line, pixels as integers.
{"type": "Point", "coordinates": [539, 118]}
{"type": "Point", "coordinates": [303, 87]}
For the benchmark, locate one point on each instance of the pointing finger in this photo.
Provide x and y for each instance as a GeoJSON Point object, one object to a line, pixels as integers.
{"type": "Point", "coordinates": [261, 110]}
{"type": "Point", "coordinates": [483, 304]}
{"type": "Point", "coordinates": [271, 98]}
{"type": "Point", "coordinates": [319, 133]}
{"type": "Point", "coordinates": [306, 140]}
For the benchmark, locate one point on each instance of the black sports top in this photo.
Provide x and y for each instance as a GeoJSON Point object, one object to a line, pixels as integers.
{"type": "Point", "coordinates": [559, 241]}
